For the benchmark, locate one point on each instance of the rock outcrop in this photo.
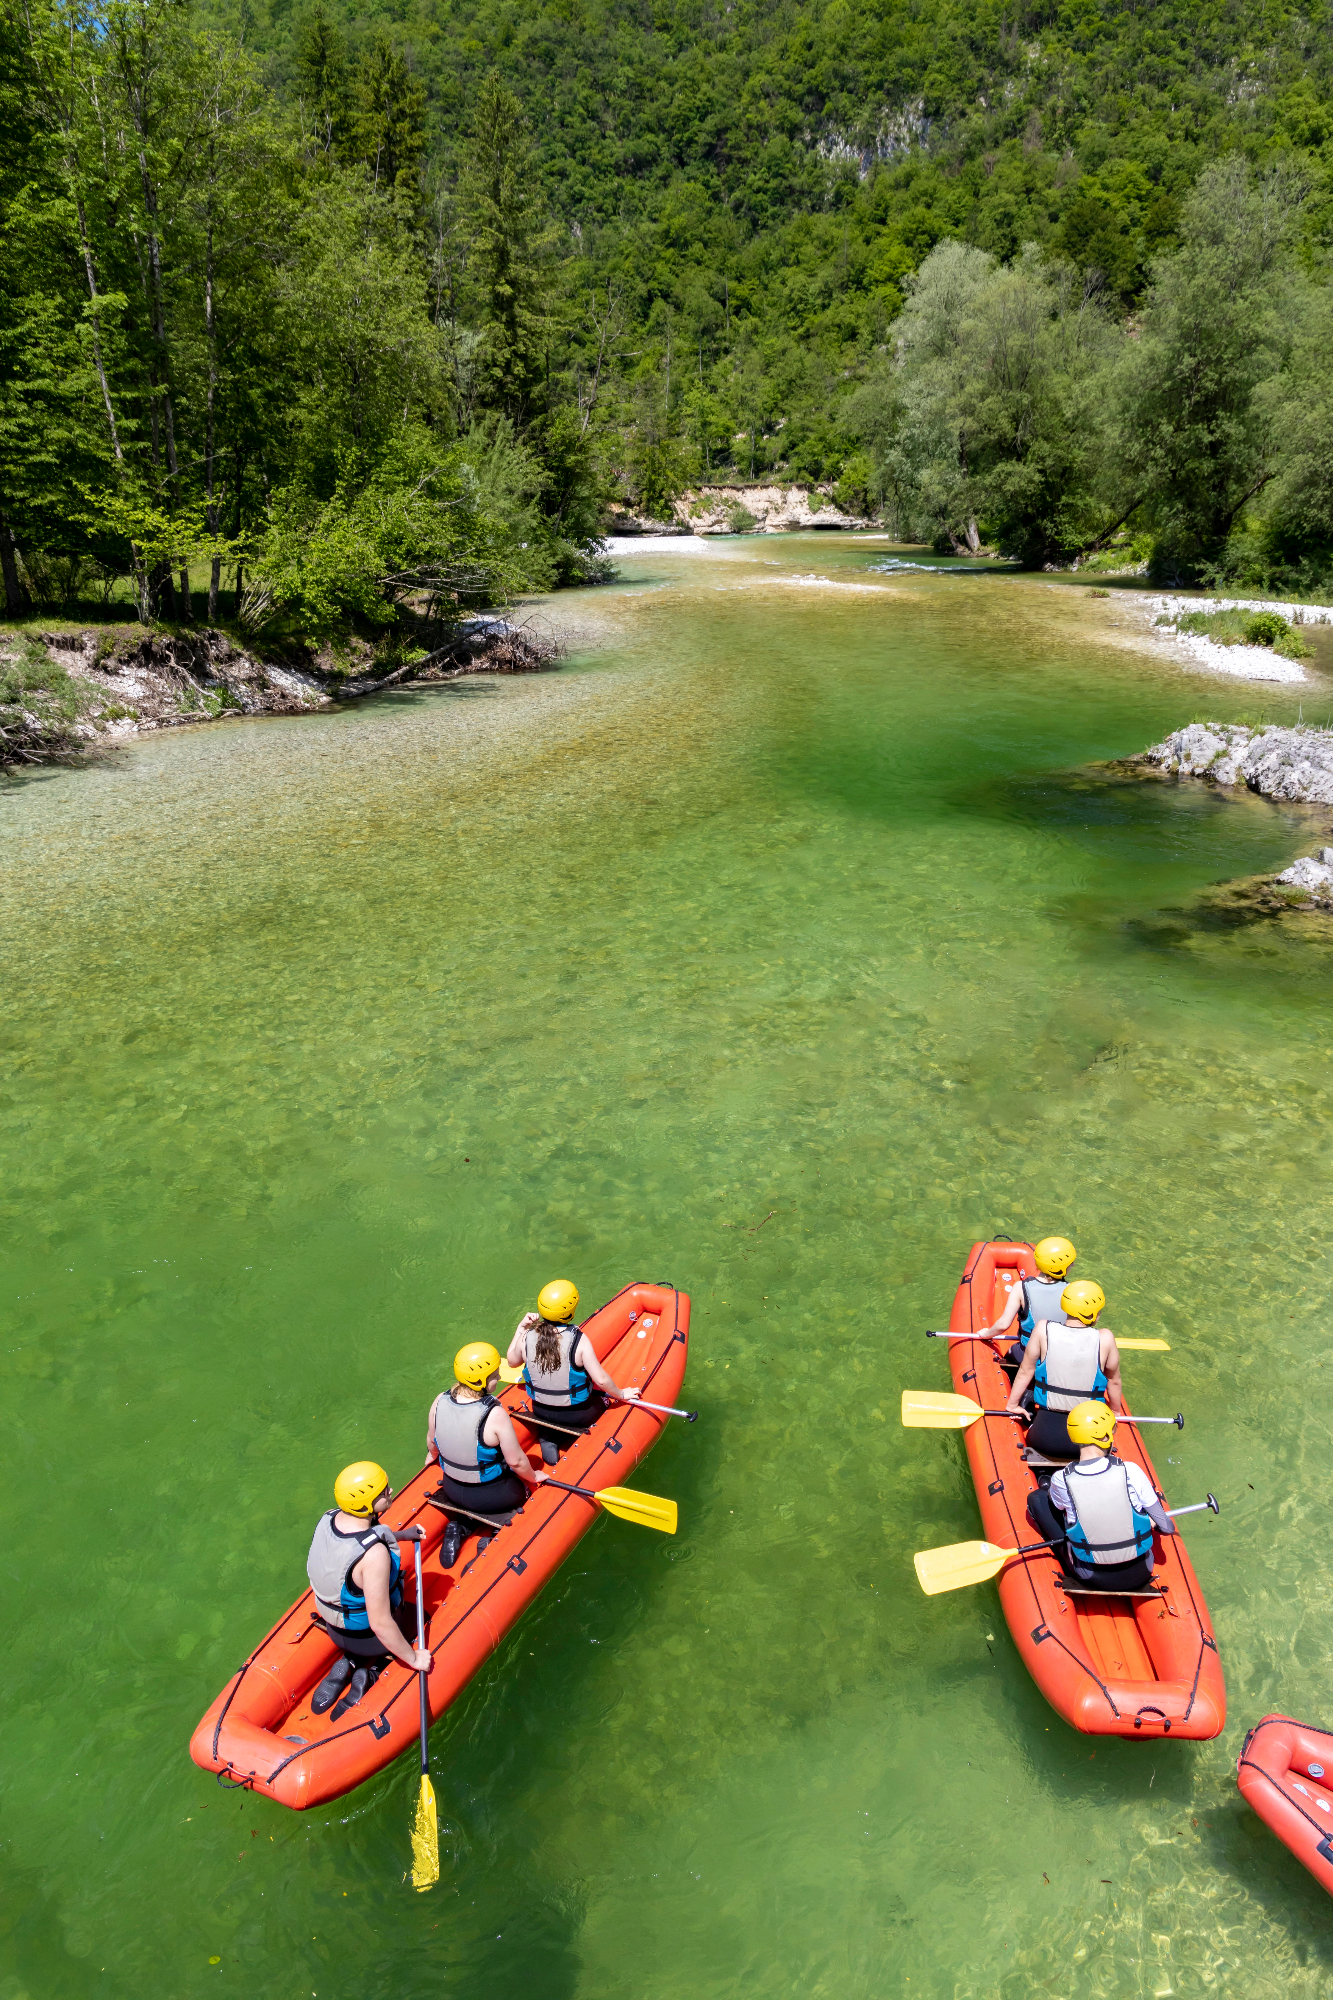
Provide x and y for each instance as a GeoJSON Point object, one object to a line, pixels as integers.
{"type": "Point", "coordinates": [1293, 765]}
{"type": "Point", "coordinates": [1313, 872]}
{"type": "Point", "coordinates": [743, 510]}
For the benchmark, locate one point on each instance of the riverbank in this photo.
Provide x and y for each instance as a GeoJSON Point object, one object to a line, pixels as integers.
{"type": "Point", "coordinates": [67, 691]}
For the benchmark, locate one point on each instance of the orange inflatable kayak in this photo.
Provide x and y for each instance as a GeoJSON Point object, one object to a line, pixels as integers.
{"type": "Point", "coordinates": [1285, 1772]}
{"type": "Point", "coordinates": [1141, 1666]}
{"type": "Point", "coordinates": [260, 1733]}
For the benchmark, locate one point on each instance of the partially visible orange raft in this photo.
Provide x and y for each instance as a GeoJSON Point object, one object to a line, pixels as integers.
{"type": "Point", "coordinates": [1286, 1773]}
{"type": "Point", "coordinates": [1112, 1666]}
{"type": "Point", "coordinates": [260, 1733]}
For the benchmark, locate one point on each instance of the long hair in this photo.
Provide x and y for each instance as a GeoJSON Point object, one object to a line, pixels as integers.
{"type": "Point", "coordinates": [546, 1354]}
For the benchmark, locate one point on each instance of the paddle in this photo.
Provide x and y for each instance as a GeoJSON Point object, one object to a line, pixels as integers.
{"type": "Point", "coordinates": [935, 1410]}
{"type": "Point", "coordinates": [953, 1568]}
{"type": "Point", "coordinates": [644, 1509]}
{"type": "Point", "coordinates": [425, 1829]}
{"type": "Point", "coordinates": [492, 1521]}
{"type": "Point", "coordinates": [630, 1403]}
{"type": "Point", "coordinates": [965, 1562]}
{"type": "Point", "coordinates": [1129, 1346]}
{"type": "Point", "coordinates": [531, 1417]}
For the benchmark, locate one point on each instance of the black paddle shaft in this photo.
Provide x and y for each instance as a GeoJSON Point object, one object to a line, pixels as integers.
{"type": "Point", "coordinates": [421, 1641]}
{"type": "Point", "coordinates": [584, 1492]}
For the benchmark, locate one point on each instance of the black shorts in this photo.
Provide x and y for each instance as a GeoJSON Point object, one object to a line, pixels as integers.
{"type": "Point", "coordinates": [1048, 1435]}
{"type": "Point", "coordinates": [365, 1646]}
{"type": "Point", "coordinates": [492, 1496]}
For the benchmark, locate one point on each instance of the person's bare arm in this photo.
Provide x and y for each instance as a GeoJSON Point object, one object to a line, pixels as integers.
{"type": "Point", "coordinates": [500, 1431]}
{"type": "Point", "coordinates": [597, 1374]}
{"type": "Point", "coordinates": [1007, 1317]}
{"type": "Point", "coordinates": [1027, 1368]}
{"type": "Point", "coordinates": [372, 1575]}
{"type": "Point", "coordinates": [516, 1353]}
{"type": "Point", "coordinates": [432, 1449]}
{"type": "Point", "coordinates": [1110, 1354]}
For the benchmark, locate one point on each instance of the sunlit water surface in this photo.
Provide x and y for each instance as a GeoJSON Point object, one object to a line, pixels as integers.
{"type": "Point", "coordinates": [779, 945]}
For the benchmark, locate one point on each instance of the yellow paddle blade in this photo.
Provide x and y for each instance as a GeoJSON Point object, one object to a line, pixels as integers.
{"type": "Point", "coordinates": [1144, 1346]}
{"type": "Point", "coordinates": [425, 1839]}
{"type": "Point", "coordinates": [508, 1374]}
{"type": "Point", "coordinates": [933, 1410]}
{"type": "Point", "coordinates": [961, 1563]}
{"type": "Point", "coordinates": [645, 1508]}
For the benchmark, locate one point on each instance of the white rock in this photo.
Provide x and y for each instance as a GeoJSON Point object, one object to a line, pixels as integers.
{"type": "Point", "coordinates": [1295, 765]}
{"type": "Point", "coordinates": [1307, 873]}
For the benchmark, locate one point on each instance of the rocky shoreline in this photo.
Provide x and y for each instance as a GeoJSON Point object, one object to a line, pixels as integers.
{"type": "Point", "coordinates": [773, 509]}
{"type": "Point", "coordinates": [103, 684]}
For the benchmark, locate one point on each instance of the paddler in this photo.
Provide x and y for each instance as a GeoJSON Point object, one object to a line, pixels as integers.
{"type": "Point", "coordinates": [566, 1382]}
{"type": "Point", "coordinates": [1034, 1299]}
{"type": "Point", "coordinates": [1100, 1512]}
{"type": "Point", "coordinates": [357, 1579]}
{"type": "Point", "coordinates": [483, 1467]}
{"type": "Point", "coordinates": [1067, 1362]}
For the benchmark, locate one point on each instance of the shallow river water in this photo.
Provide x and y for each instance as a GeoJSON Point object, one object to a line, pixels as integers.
{"type": "Point", "coordinates": [780, 945]}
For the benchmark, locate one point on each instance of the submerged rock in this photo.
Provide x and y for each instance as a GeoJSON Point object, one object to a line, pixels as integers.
{"type": "Point", "coordinates": [1293, 765]}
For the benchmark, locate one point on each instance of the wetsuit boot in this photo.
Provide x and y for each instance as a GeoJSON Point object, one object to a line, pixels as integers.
{"type": "Point", "coordinates": [365, 1677]}
{"type": "Point", "coordinates": [332, 1685]}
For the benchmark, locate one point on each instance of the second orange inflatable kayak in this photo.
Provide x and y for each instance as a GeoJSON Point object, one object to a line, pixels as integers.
{"type": "Point", "coordinates": [1285, 1772]}
{"type": "Point", "coordinates": [1110, 1665]}
{"type": "Point", "coordinates": [260, 1733]}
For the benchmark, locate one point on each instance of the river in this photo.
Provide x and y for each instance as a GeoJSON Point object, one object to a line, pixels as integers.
{"type": "Point", "coordinates": [779, 945]}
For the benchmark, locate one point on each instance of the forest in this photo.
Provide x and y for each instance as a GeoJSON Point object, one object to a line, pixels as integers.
{"type": "Point", "coordinates": [308, 313]}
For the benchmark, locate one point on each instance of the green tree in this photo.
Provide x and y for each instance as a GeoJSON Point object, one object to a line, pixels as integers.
{"type": "Point", "coordinates": [511, 241]}
{"type": "Point", "coordinates": [387, 112]}
{"type": "Point", "coordinates": [323, 83]}
{"type": "Point", "coordinates": [1196, 440]}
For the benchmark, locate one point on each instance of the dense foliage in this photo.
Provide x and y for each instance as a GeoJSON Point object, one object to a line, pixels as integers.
{"type": "Point", "coordinates": [345, 309]}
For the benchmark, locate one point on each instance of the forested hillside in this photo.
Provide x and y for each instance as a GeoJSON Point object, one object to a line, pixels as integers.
{"type": "Point", "coordinates": [306, 311]}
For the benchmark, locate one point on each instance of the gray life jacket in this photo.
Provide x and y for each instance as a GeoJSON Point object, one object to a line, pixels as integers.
{"type": "Point", "coordinates": [1109, 1528]}
{"type": "Point", "coordinates": [334, 1554]}
{"type": "Point", "coordinates": [563, 1386]}
{"type": "Point", "coordinates": [458, 1428]}
{"type": "Point", "coordinates": [1041, 1300]}
{"type": "Point", "coordinates": [1070, 1371]}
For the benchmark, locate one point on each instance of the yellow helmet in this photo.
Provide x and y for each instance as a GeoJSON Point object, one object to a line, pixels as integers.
{"type": "Point", "coordinates": [358, 1487]}
{"type": "Point", "coordinates": [475, 1364]}
{"type": "Point", "coordinates": [1082, 1300]}
{"type": "Point", "coordinates": [1054, 1255]}
{"type": "Point", "coordinates": [558, 1300]}
{"type": "Point", "coordinates": [1092, 1423]}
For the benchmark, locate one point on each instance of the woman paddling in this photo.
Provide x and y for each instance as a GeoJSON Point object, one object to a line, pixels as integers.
{"type": "Point", "coordinates": [483, 1467]}
{"type": "Point", "coordinates": [1067, 1365]}
{"type": "Point", "coordinates": [567, 1383]}
{"type": "Point", "coordinates": [1034, 1299]}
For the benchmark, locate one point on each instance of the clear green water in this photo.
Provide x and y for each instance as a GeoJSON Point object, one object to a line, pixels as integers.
{"type": "Point", "coordinates": [775, 947]}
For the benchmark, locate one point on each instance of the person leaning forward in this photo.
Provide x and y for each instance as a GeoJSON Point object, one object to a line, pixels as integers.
{"type": "Point", "coordinates": [483, 1467]}
{"type": "Point", "coordinates": [567, 1383]}
{"type": "Point", "coordinates": [1066, 1365]}
{"type": "Point", "coordinates": [357, 1579]}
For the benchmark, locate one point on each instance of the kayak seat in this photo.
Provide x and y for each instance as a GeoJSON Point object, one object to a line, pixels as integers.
{"type": "Point", "coordinates": [1094, 1590]}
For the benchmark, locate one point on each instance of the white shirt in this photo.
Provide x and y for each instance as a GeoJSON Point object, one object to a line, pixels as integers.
{"type": "Point", "coordinates": [1140, 1488]}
